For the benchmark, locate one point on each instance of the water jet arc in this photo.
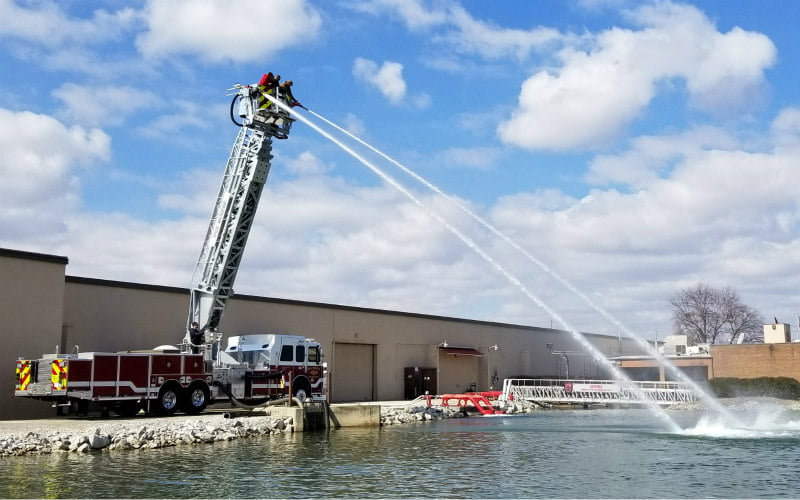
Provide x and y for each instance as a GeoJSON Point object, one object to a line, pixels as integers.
{"type": "Point", "coordinates": [574, 333]}
{"type": "Point", "coordinates": [664, 362]}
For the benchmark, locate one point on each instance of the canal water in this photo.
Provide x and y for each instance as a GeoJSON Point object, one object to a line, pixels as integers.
{"type": "Point", "coordinates": [565, 454]}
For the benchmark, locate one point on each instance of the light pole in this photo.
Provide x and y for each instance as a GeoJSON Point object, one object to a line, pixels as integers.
{"type": "Point", "coordinates": [492, 377]}
{"type": "Point", "coordinates": [438, 378]}
{"type": "Point", "coordinates": [565, 356]}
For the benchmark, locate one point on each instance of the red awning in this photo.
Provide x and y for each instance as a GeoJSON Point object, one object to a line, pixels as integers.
{"type": "Point", "coordinates": [460, 351]}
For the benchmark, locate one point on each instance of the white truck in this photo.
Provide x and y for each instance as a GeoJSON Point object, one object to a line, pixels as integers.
{"type": "Point", "coordinates": [250, 369]}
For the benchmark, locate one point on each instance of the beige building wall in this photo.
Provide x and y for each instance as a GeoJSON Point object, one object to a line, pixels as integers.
{"type": "Point", "coordinates": [375, 346]}
{"type": "Point", "coordinates": [107, 316]}
{"type": "Point", "coordinates": [777, 333]}
{"type": "Point", "coordinates": [31, 305]}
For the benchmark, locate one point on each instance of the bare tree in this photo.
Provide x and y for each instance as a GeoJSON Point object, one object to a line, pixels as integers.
{"type": "Point", "coordinates": [714, 315]}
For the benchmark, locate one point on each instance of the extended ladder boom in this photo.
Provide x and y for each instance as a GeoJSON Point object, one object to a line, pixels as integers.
{"type": "Point", "coordinates": [235, 209]}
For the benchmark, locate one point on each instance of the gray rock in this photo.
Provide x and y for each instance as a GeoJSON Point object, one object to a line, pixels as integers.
{"type": "Point", "coordinates": [98, 441]}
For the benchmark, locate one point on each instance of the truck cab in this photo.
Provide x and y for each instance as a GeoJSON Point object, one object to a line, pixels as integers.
{"type": "Point", "coordinates": [295, 359]}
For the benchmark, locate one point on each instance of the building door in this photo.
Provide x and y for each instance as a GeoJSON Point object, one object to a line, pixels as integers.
{"type": "Point", "coordinates": [353, 373]}
{"type": "Point", "coordinates": [458, 373]}
{"type": "Point", "coordinates": [418, 381]}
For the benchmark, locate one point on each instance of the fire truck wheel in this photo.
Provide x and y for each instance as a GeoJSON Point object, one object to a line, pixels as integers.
{"type": "Point", "coordinates": [302, 389]}
{"type": "Point", "coordinates": [167, 402]}
{"type": "Point", "coordinates": [195, 398]}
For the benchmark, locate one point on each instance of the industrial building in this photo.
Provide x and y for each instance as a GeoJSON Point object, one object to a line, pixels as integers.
{"type": "Point", "coordinates": [371, 354]}
{"type": "Point", "coordinates": [777, 356]}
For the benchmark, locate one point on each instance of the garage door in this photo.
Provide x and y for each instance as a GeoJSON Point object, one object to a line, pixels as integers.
{"type": "Point", "coordinates": [353, 373]}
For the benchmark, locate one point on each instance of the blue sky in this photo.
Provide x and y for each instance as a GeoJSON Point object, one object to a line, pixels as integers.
{"type": "Point", "coordinates": [634, 148]}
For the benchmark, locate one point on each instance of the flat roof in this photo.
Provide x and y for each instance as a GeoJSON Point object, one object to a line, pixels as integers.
{"type": "Point", "coordinates": [294, 302]}
{"type": "Point", "coordinates": [42, 257]}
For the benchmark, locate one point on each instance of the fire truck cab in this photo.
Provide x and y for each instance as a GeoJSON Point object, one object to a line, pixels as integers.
{"type": "Point", "coordinates": [271, 362]}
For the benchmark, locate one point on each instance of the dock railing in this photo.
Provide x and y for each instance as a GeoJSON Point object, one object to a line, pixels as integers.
{"type": "Point", "coordinates": [557, 391]}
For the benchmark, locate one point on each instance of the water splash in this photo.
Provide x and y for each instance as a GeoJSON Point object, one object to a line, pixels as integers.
{"type": "Point", "coordinates": [755, 419]}
{"type": "Point", "coordinates": [646, 346]}
{"type": "Point", "coordinates": [574, 333]}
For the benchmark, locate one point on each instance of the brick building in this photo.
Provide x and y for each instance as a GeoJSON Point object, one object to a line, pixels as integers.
{"type": "Point", "coordinates": [778, 356]}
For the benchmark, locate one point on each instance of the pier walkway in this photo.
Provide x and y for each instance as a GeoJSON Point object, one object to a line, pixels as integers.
{"type": "Point", "coordinates": [583, 392]}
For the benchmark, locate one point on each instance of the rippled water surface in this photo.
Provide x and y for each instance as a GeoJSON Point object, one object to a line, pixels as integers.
{"type": "Point", "coordinates": [576, 454]}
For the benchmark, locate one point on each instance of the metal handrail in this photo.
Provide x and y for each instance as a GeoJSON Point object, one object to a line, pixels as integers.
{"type": "Point", "coordinates": [596, 391]}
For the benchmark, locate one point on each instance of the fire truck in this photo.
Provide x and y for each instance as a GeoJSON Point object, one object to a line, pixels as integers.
{"type": "Point", "coordinates": [249, 369]}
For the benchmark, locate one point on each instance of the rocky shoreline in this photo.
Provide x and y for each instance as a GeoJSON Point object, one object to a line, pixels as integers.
{"type": "Point", "coordinates": [393, 415]}
{"type": "Point", "coordinates": [83, 436]}
{"type": "Point", "coordinates": [73, 435]}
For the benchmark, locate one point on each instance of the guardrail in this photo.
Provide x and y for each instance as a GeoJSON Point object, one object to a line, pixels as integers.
{"type": "Point", "coordinates": [553, 391]}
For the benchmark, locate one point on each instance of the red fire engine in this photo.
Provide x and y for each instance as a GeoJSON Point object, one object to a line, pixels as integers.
{"type": "Point", "coordinates": [251, 368]}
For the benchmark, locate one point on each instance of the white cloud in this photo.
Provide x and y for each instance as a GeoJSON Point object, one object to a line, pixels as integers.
{"type": "Point", "coordinates": [595, 94]}
{"type": "Point", "coordinates": [420, 100]}
{"type": "Point", "coordinates": [651, 157]}
{"type": "Point", "coordinates": [462, 33]}
{"type": "Point", "coordinates": [221, 31]}
{"type": "Point", "coordinates": [184, 115]}
{"type": "Point", "coordinates": [476, 157]}
{"type": "Point", "coordinates": [307, 163]}
{"type": "Point", "coordinates": [718, 213]}
{"type": "Point", "coordinates": [359, 246]}
{"type": "Point", "coordinates": [102, 105]}
{"type": "Point", "coordinates": [386, 78]}
{"type": "Point", "coordinates": [354, 125]}
{"type": "Point", "coordinates": [473, 36]}
{"type": "Point", "coordinates": [38, 168]}
{"type": "Point", "coordinates": [47, 24]}
{"type": "Point", "coordinates": [414, 13]}
{"type": "Point", "coordinates": [786, 128]}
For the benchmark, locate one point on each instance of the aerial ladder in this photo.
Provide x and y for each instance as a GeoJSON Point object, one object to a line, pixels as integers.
{"type": "Point", "coordinates": [253, 368]}
{"type": "Point", "coordinates": [245, 174]}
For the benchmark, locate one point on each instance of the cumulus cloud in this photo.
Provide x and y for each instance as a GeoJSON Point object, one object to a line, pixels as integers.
{"type": "Point", "coordinates": [594, 94]}
{"type": "Point", "coordinates": [650, 158]}
{"type": "Point", "coordinates": [40, 159]}
{"type": "Point", "coordinates": [786, 128]}
{"type": "Point", "coordinates": [461, 32]}
{"type": "Point", "coordinates": [47, 24]}
{"type": "Point", "coordinates": [416, 14]}
{"type": "Point", "coordinates": [184, 115]}
{"type": "Point", "coordinates": [102, 105]}
{"type": "Point", "coordinates": [477, 157]}
{"type": "Point", "coordinates": [307, 163]}
{"type": "Point", "coordinates": [386, 78]}
{"type": "Point", "coordinates": [473, 36]}
{"type": "Point", "coordinates": [220, 31]}
{"type": "Point", "coordinates": [310, 229]}
{"type": "Point", "coordinates": [354, 125]}
{"type": "Point", "coordinates": [717, 212]}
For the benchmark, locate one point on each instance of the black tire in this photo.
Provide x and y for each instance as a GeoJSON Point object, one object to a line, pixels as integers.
{"type": "Point", "coordinates": [301, 389]}
{"type": "Point", "coordinates": [168, 399]}
{"type": "Point", "coordinates": [195, 398]}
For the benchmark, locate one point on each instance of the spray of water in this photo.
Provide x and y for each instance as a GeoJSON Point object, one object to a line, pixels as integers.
{"type": "Point", "coordinates": [643, 343]}
{"type": "Point", "coordinates": [758, 419]}
{"type": "Point", "coordinates": [574, 333]}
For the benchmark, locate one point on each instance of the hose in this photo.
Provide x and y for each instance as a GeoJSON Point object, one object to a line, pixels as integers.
{"type": "Point", "coordinates": [264, 403]}
{"type": "Point", "coordinates": [233, 103]}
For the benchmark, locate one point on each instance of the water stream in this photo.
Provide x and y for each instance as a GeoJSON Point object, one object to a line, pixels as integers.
{"type": "Point", "coordinates": [573, 332]}
{"type": "Point", "coordinates": [676, 373]}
